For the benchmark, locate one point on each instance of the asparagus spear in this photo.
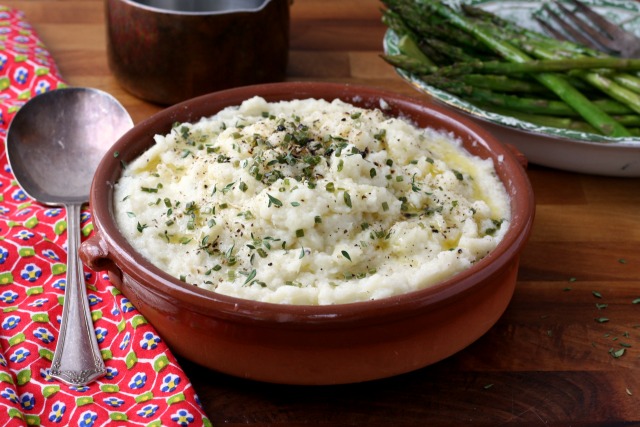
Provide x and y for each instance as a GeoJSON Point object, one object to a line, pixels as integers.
{"type": "Point", "coordinates": [541, 119]}
{"type": "Point", "coordinates": [628, 81]}
{"type": "Point", "coordinates": [502, 83]}
{"type": "Point", "coordinates": [453, 53]}
{"type": "Point", "coordinates": [509, 68]}
{"type": "Point", "coordinates": [559, 122]}
{"type": "Point", "coordinates": [520, 103]}
{"type": "Point", "coordinates": [408, 47]}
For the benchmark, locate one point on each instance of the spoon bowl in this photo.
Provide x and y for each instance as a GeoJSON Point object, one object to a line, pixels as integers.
{"type": "Point", "coordinates": [54, 144]}
{"type": "Point", "coordinates": [57, 139]}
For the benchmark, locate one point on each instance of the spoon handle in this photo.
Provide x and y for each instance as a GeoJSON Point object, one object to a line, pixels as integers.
{"type": "Point", "coordinates": [77, 360]}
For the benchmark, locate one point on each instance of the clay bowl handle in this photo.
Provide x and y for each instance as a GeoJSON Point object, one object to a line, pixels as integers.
{"type": "Point", "coordinates": [94, 253]}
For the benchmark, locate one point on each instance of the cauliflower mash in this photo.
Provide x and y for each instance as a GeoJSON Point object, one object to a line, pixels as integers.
{"type": "Point", "coordinates": [310, 202]}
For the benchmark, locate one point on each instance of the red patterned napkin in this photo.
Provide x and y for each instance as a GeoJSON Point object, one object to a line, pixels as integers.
{"type": "Point", "coordinates": [144, 384]}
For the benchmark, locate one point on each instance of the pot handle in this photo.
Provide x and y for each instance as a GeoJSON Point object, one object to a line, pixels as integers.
{"type": "Point", "coordinates": [94, 253]}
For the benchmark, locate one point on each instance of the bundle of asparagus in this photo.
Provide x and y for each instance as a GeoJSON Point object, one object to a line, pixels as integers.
{"type": "Point", "coordinates": [498, 66]}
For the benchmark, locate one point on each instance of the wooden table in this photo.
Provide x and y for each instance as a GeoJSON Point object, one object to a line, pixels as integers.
{"type": "Point", "coordinates": [548, 361]}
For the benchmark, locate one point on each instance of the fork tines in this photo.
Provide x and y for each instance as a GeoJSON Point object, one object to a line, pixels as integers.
{"type": "Point", "coordinates": [587, 27]}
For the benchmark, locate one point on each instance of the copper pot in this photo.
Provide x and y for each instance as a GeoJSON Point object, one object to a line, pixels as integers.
{"type": "Point", "coordinates": [167, 51]}
{"type": "Point", "coordinates": [314, 344]}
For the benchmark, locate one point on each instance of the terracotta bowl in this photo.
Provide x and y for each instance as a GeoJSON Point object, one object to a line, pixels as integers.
{"type": "Point", "coordinates": [313, 344]}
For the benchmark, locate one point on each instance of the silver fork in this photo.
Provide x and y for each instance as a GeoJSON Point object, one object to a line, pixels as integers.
{"type": "Point", "coordinates": [590, 29]}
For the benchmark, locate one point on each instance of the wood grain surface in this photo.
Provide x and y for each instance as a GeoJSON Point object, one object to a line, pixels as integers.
{"type": "Point", "coordinates": [552, 359]}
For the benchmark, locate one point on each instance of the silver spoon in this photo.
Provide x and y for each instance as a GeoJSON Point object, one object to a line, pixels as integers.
{"type": "Point", "coordinates": [54, 144]}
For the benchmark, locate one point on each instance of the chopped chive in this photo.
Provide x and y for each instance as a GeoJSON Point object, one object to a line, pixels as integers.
{"type": "Point", "coordinates": [347, 199]}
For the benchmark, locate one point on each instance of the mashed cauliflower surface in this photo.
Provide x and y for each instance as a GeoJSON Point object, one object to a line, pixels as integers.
{"type": "Point", "coordinates": [310, 202]}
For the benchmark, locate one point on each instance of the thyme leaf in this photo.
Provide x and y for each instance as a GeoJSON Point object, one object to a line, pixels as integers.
{"type": "Point", "coordinates": [250, 277]}
{"type": "Point", "coordinates": [273, 201]}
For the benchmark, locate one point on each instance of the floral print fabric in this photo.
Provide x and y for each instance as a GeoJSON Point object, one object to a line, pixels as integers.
{"type": "Point", "coordinates": [144, 384]}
